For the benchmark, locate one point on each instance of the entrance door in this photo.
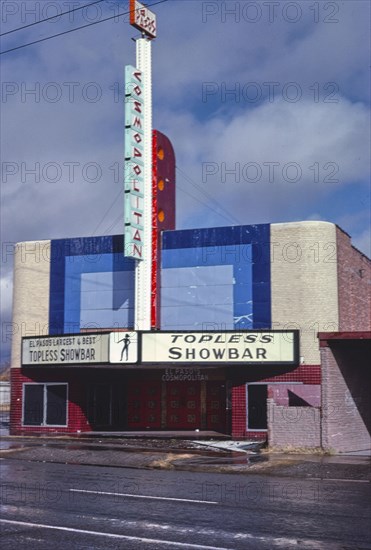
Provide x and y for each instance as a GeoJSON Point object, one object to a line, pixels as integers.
{"type": "Point", "coordinates": [100, 406]}
{"type": "Point", "coordinates": [144, 404]}
{"type": "Point", "coordinates": [257, 406]}
{"type": "Point", "coordinates": [183, 405]}
{"type": "Point", "coordinates": [215, 406]}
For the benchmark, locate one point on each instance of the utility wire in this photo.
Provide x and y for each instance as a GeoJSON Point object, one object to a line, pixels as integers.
{"type": "Point", "coordinates": [207, 205]}
{"type": "Point", "coordinates": [209, 197]}
{"type": "Point", "coordinates": [75, 29]}
{"type": "Point", "coordinates": [108, 209]}
{"type": "Point", "coordinates": [52, 17]}
{"type": "Point", "coordinates": [226, 216]}
{"type": "Point", "coordinates": [109, 229]}
{"type": "Point", "coordinates": [120, 216]}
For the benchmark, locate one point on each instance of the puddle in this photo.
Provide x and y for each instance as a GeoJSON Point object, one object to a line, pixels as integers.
{"type": "Point", "coordinates": [258, 458]}
{"type": "Point", "coordinates": [233, 458]}
{"type": "Point", "coordinates": [198, 456]}
{"type": "Point", "coordinates": [86, 448]}
{"type": "Point", "coordinates": [9, 445]}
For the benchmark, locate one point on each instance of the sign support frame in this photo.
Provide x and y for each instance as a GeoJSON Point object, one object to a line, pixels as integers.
{"type": "Point", "coordinates": [143, 269]}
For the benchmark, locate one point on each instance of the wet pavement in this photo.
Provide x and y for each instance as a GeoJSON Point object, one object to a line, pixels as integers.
{"type": "Point", "coordinates": [71, 505]}
{"type": "Point", "coordinates": [206, 453]}
{"type": "Point", "coordinates": [178, 454]}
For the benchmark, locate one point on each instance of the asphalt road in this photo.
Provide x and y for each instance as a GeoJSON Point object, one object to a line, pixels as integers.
{"type": "Point", "coordinates": [66, 506]}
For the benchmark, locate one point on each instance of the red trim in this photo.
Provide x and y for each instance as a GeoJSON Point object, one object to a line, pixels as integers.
{"type": "Point", "coordinates": [162, 200]}
{"type": "Point", "coordinates": [154, 281]}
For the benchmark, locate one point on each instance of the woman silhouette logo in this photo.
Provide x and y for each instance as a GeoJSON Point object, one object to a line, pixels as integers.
{"type": "Point", "coordinates": [125, 348]}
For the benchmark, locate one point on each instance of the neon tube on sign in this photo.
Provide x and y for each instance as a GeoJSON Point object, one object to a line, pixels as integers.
{"type": "Point", "coordinates": [134, 163]}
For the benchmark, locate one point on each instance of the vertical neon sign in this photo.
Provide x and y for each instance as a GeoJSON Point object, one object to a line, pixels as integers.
{"type": "Point", "coordinates": [138, 163]}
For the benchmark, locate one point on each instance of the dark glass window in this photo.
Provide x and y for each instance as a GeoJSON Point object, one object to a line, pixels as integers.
{"type": "Point", "coordinates": [56, 404]}
{"type": "Point", "coordinates": [45, 405]}
{"type": "Point", "coordinates": [257, 406]}
{"type": "Point", "coordinates": [33, 404]}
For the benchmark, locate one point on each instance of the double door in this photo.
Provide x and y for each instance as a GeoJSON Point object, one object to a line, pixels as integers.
{"type": "Point", "coordinates": [183, 405]}
{"type": "Point", "coordinates": [144, 404]}
{"type": "Point", "coordinates": [141, 404]}
{"type": "Point", "coordinates": [175, 405]}
{"type": "Point", "coordinates": [106, 406]}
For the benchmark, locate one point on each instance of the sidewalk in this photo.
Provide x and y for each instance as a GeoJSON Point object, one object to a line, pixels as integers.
{"type": "Point", "coordinates": [178, 454]}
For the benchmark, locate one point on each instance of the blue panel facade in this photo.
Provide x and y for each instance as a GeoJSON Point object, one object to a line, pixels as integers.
{"type": "Point", "coordinates": [91, 285]}
{"type": "Point", "coordinates": [211, 279]}
{"type": "Point", "coordinates": [216, 279]}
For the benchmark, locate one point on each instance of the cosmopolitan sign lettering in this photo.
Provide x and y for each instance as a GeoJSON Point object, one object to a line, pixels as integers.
{"type": "Point", "coordinates": [69, 350]}
{"type": "Point", "coordinates": [134, 163]}
{"type": "Point", "coordinates": [143, 19]}
{"type": "Point", "coordinates": [276, 347]}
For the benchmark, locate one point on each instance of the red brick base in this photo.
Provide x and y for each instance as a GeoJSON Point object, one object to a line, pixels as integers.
{"type": "Point", "coordinates": [306, 374]}
{"type": "Point", "coordinates": [76, 397]}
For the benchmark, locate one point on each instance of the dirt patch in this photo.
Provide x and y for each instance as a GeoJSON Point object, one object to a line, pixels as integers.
{"type": "Point", "coordinates": [14, 450]}
{"type": "Point", "coordinates": [289, 449]}
{"type": "Point", "coordinates": [167, 462]}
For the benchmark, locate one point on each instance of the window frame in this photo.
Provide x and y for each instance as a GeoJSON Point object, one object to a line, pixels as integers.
{"type": "Point", "coordinates": [45, 404]}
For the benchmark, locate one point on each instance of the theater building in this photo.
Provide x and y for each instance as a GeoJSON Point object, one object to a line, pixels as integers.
{"type": "Point", "coordinates": [251, 331]}
{"type": "Point", "coordinates": [74, 303]}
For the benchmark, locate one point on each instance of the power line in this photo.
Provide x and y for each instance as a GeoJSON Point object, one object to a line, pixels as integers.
{"type": "Point", "coordinates": [52, 17]}
{"type": "Point", "coordinates": [120, 217]}
{"type": "Point", "coordinates": [226, 216]}
{"type": "Point", "coordinates": [108, 209]}
{"type": "Point", "coordinates": [206, 195]}
{"type": "Point", "coordinates": [75, 29]}
{"type": "Point", "coordinates": [209, 197]}
{"type": "Point", "coordinates": [205, 204]}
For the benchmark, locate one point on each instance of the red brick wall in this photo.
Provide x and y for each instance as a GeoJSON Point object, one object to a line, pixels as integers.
{"type": "Point", "coordinates": [306, 374]}
{"type": "Point", "coordinates": [239, 411]}
{"type": "Point", "coordinates": [354, 274]}
{"type": "Point", "coordinates": [76, 400]}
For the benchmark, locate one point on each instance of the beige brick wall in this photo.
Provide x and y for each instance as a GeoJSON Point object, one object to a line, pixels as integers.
{"type": "Point", "coordinates": [31, 293]}
{"type": "Point", "coordinates": [304, 282]}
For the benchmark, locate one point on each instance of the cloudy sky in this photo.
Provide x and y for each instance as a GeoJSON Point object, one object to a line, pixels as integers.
{"type": "Point", "coordinates": [266, 103]}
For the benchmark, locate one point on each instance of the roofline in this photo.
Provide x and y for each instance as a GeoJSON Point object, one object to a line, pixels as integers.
{"type": "Point", "coordinates": [325, 338]}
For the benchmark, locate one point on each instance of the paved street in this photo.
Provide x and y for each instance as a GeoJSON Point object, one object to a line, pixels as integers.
{"type": "Point", "coordinates": [59, 506]}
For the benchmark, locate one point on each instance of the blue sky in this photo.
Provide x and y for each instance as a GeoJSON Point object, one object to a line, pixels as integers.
{"type": "Point", "coordinates": [276, 92]}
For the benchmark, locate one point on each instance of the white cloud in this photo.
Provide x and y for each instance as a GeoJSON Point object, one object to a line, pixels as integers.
{"type": "Point", "coordinates": [323, 147]}
{"type": "Point", "coordinates": [188, 53]}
